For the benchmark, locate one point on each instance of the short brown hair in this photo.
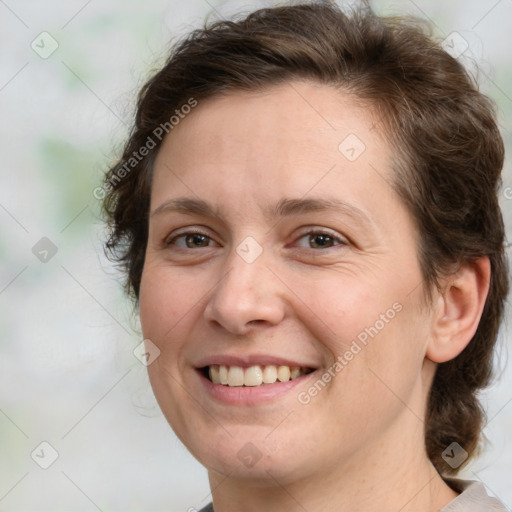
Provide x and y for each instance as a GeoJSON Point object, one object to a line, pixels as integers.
{"type": "Point", "coordinates": [449, 155]}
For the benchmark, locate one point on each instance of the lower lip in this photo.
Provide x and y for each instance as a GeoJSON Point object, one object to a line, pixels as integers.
{"type": "Point", "coordinates": [250, 395]}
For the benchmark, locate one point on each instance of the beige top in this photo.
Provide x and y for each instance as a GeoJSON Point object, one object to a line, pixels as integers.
{"type": "Point", "coordinates": [472, 498]}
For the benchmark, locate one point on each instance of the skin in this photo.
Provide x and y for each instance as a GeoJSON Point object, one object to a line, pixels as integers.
{"type": "Point", "coordinates": [359, 443]}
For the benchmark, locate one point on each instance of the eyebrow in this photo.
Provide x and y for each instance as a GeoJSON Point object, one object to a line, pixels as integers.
{"type": "Point", "coordinates": [283, 208]}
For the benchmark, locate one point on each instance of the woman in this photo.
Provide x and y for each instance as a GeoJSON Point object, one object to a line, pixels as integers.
{"type": "Point", "coordinates": [307, 214]}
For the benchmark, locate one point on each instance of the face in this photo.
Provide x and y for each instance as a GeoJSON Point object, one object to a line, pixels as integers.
{"type": "Point", "coordinates": [277, 248]}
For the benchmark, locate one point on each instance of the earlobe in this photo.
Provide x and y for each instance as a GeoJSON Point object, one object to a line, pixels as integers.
{"type": "Point", "coordinates": [458, 311]}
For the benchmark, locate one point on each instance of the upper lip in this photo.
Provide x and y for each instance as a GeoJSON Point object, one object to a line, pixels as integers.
{"type": "Point", "coordinates": [247, 360]}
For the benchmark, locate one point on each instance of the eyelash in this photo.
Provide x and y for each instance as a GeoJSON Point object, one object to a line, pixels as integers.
{"type": "Point", "coordinates": [339, 241]}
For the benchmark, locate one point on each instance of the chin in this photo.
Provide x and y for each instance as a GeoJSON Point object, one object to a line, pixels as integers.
{"type": "Point", "coordinates": [248, 456]}
{"type": "Point", "coordinates": [263, 473]}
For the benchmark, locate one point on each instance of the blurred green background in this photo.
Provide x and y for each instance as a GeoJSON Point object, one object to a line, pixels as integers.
{"type": "Point", "coordinates": [69, 75]}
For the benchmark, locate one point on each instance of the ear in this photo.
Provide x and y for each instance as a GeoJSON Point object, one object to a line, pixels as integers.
{"type": "Point", "coordinates": [459, 308]}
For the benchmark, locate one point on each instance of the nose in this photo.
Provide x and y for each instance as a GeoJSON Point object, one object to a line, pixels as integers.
{"type": "Point", "coordinates": [249, 294]}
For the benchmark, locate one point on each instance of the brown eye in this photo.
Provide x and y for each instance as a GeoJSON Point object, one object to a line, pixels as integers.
{"type": "Point", "coordinates": [191, 241]}
{"type": "Point", "coordinates": [320, 240]}
{"type": "Point", "coordinates": [196, 240]}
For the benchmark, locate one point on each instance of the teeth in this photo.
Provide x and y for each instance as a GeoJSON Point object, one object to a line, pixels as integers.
{"type": "Point", "coordinates": [236, 376]}
{"type": "Point", "coordinates": [253, 376]}
{"type": "Point", "coordinates": [283, 373]}
{"type": "Point", "coordinates": [223, 375]}
{"type": "Point", "coordinates": [215, 374]}
{"type": "Point", "coordinates": [295, 373]}
{"type": "Point", "coordinates": [270, 374]}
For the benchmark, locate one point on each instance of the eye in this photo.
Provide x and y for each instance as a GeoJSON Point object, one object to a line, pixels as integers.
{"type": "Point", "coordinates": [320, 240]}
{"type": "Point", "coordinates": [190, 240]}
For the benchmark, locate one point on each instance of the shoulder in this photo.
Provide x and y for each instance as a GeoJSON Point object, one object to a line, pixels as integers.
{"type": "Point", "coordinates": [473, 498]}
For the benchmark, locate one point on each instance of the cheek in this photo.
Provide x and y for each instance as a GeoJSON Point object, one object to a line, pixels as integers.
{"type": "Point", "coordinates": [339, 309]}
{"type": "Point", "coordinates": [382, 368]}
{"type": "Point", "coordinates": [372, 330]}
{"type": "Point", "coordinates": [166, 300]}
{"type": "Point", "coordinates": [166, 305]}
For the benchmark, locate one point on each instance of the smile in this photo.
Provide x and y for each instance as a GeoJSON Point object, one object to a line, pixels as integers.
{"type": "Point", "coordinates": [252, 376]}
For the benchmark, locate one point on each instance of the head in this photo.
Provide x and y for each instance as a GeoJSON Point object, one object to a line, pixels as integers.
{"type": "Point", "coordinates": [364, 131]}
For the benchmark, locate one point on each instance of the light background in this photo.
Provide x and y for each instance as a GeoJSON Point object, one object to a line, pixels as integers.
{"type": "Point", "coordinates": [68, 375]}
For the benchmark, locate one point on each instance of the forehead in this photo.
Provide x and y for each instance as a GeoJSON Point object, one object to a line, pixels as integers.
{"type": "Point", "coordinates": [286, 140]}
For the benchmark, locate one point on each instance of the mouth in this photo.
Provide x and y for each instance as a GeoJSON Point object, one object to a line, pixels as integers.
{"type": "Point", "coordinates": [252, 376]}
